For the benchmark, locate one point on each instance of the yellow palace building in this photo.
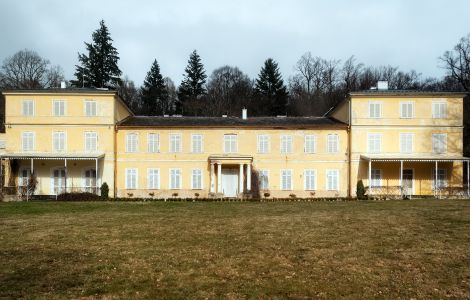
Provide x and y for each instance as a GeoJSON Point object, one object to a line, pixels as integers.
{"type": "Point", "coordinates": [73, 140]}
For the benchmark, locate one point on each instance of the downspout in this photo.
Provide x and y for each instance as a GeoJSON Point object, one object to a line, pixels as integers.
{"type": "Point", "coordinates": [349, 150]}
{"type": "Point", "coordinates": [115, 160]}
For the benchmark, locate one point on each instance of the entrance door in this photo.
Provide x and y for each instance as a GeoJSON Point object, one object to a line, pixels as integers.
{"type": "Point", "coordinates": [407, 184]}
{"type": "Point", "coordinates": [230, 182]}
{"type": "Point", "coordinates": [58, 181]}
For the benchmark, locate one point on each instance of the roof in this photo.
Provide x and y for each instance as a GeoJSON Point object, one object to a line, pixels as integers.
{"type": "Point", "coordinates": [399, 93]}
{"type": "Point", "coordinates": [46, 155]}
{"type": "Point", "coordinates": [60, 91]}
{"type": "Point", "coordinates": [412, 157]}
{"type": "Point", "coordinates": [263, 122]}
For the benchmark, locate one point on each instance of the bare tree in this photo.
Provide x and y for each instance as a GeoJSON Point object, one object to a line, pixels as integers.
{"type": "Point", "coordinates": [350, 74]}
{"type": "Point", "coordinates": [457, 62]}
{"type": "Point", "coordinates": [27, 70]}
{"type": "Point", "coordinates": [172, 94]}
{"type": "Point", "coordinates": [129, 93]}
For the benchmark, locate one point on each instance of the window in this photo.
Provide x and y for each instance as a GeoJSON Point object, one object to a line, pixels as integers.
{"type": "Point", "coordinates": [175, 179]}
{"type": "Point", "coordinates": [131, 179]}
{"type": "Point", "coordinates": [441, 178]}
{"type": "Point", "coordinates": [230, 143]}
{"type": "Point", "coordinates": [24, 175]}
{"type": "Point", "coordinates": [27, 107]}
{"type": "Point", "coordinates": [58, 140]}
{"type": "Point", "coordinates": [332, 143]}
{"type": "Point", "coordinates": [90, 108]}
{"type": "Point", "coordinates": [406, 110]}
{"type": "Point", "coordinates": [91, 139]}
{"type": "Point", "coordinates": [175, 142]}
{"type": "Point", "coordinates": [263, 179]}
{"type": "Point", "coordinates": [310, 180]}
{"type": "Point", "coordinates": [286, 144]}
{"type": "Point", "coordinates": [439, 143]}
{"type": "Point", "coordinates": [376, 177]}
{"type": "Point", "coordinates": [28, 140]}
{"type": "Point", "coordinates": [196, 143]}
{"type": "Point", "coordinates": [439, 110]}
{"type": "Point", "coordinates": [286, 180]}
{"type": "Point", "coordinates": [406, 142]}
{"type": "Point", "coordinates": [332, 180]}
{"type": "Point", "coordinates": [131, 142]}
{"type": "Point", "coordinates": [375, 109]}
{"type": "Point", "coordinates": [374, 142]}
{"type": "Point", "coordinates": [58, 108]}
{"type": "Point", "coordinates": [153, 178]}
{"type": "Point", "coordinates": [153, 143]}
{"type": "Point", "coordinates": [90, 180]}
{"type": "Point", "coordinates": [263, 143]}
{"type": "Point", "coordinates": [309, 144]}
{"type": "Point", "coordinates": [196, 181]}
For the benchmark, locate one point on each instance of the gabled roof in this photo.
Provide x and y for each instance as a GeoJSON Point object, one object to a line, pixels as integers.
{"type": "Point", "coordinates": [400, 93]}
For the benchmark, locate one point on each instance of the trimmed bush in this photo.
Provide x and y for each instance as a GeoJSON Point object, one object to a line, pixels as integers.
{"type": "Point", "coordinates": [104, 190]}
{"type": "Point", "coordinates": [78, 197]}
{"type": "Point", "coordinates": [360, 190]}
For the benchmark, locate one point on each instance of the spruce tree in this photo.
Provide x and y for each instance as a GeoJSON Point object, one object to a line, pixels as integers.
{"type": "Point", "coordinates": [192, 87]}
{"type": "Point", "coordinates": [270, 89]}
{"type": "Point", "coordinates": [99, 68]}
{"type": "Point", "coordinates": [154, 94]}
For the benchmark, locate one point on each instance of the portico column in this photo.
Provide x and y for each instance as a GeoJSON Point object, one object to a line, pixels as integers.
{"type": "Point", "coordinates": [219, 178]}
{"type": "Point", "coordinates": [240, 179]}
{"type": "Point", "coordinates": [32, 166]}
{"type": "Point", "coordinates": [65, 167]}
{"type": "Point", "coordinates": [212, 178]}
{"type": "Point", "coordinates": [401, 177]}
{"type": "Point", "coordinates": [96, 176]}
{"type": "Point", "coordinates": [248, 177]}
{"type": "Point", "coordinates": [370, 177]}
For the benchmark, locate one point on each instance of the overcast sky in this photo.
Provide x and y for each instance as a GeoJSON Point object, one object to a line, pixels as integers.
{"type": "Point", "coordinates": [405, 33]}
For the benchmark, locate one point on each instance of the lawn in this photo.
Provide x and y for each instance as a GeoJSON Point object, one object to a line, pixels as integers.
{"type": "Point", "coordinates": [364, 249]}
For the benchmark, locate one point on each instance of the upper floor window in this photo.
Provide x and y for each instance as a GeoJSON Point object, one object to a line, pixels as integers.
{"type": "Point", "coordinates": [153, 142]}
{"type": "Point", "coordinates": [286, 180]}
{"type": "Point", "coordinates": [332, 141]}
{"type": "Point", "coordinates": [153, 178]}
{"type": "Point", "coordinates": [309, 144]}
{"type": "Point", "coordinates": [406, 110]}
{"type": "Point", "coordinates": [375, 109]}
{"type": "Point", "coordinates": [27, 107]}
{"type": "Point", "coordinates": [332, 180]}
{"type": "Point", "coordinates": [263, 179]}
{"type": "Point", "coordinates": [286, 144]}
{"type": "Point", "coordinates": [90, 108]}
{"type": "Point", "coordinates": [131, 142]}
{"type": "Point", "coordinates": [439, 110]}
{"type": "Point", "coordinates": [91, 141]}
{"type": "Point", "coordinates": [374, 142]}
{"type": "Point", "coordinates": [28, 140]}
{"type": "Point", "coordinates": [131, 178]}
{"type": "Point", "coordinates": [230, 143]}
{"type": "Point", "coordinates": [175, 143]}
{"type": "Point", "coordinates": [58, 141]}
{"type": "Point", "coordinates": [196, 143]}
{"type": "Point", "coordinates": [406, 142]}
{"type": "Point", "coordinates": [310, 180]}
{"type": "Point", "coordinates": [263, 143]}
{"type": "Point", "coordinates": [196, 179]}
{"type": "Point", "coordinates": [58, 108]}
{"type": "Point", "coordinates": [439, 143]}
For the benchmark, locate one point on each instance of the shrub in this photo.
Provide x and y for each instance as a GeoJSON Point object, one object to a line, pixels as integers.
{"type": "Point", "coordinates": [104, 190]}
{"type": "Point", "coordinates": [78, 197]}
{"type": "Point", "coordinates": [360, 190]}
{"type": "Point", "coordinates": [266, 195]}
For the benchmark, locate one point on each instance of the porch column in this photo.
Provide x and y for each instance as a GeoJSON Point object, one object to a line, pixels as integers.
{"type": "Point", "coordinates": [219, 178]}
{"type": "Point", "coordinates": [212, 178]}
{"type": "Point", "coordinates": [370, 176]}
{"type": "Point", "coordinates": [96, 176]}
{"type": "Point", "coordinates": [248, 177]}
{"type": "Point", "coordinates": [435, 178]}
{"type": "Point", "coordinates": [401, 177]}
{"type": "Point", "coordinates": [32, 165]}
{"type": "Point", "coordinates": [240, 179]}
{"type": "Point", "coordinates": [65, 170]}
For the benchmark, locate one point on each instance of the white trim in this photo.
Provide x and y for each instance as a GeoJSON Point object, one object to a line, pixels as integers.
{"type": "Point", "coordinates": [157, 135]}
{"type": "Point", "coordinates": [289, 139]}
{"type": "Point", "coordinates": [314, 171]}
{"type": "Point", "coordinates": [85, 106]}
{"type": "Point", "coordinates": [65, 141]}
{"type": "Point", "coordinates": [192, 143]}
{"type": "Point", "coordinates": [369, 134]}
{"type": "Point", "coordinates": [148, 178]}
{"type": "Point", "coordinates": [400, 141]}
{"type": "Point", "coordinates": [180, 144]}
{"type": "Point", "coordinates": [136, 178]}
{"type": "Point", "coordinates": [291, 180]}
{"type": "Point", "coordinates": [51, 187]}
{"type": "Point", "coordinates": [412, 180]}
{"type": "Point", "coordinates": [314, 150]}
{"type": "Point", "coordinates": [23, 101]}
{"type": "Point", "coordinates": [180, 179]}
{"type": "Point", "coordinates": [380, 106]}
{"type": "Point", "coordinates": [192, 179]}
{"type": "Point", "coordinates": [412, 109]}
{"type": "Point", "coordinates": [338, 180]}
{"type": "Point", "coordinates": [54, 101]}
{"type": "Point", "coordinates": [372, 178]}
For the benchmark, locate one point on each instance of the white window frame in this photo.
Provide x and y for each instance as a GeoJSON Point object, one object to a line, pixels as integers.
{"type": "Point", "coordinates": [287, 143]}
{"type": "Point", "coordinates": [329, 174]}
{"type": "Point", "coordinates": [263, 142]}
{"type": "Point", "coordinates": [310, 143]}
{"type": "Point", "coordinates": [153, 142]}
{"type": "Point", "coordinates": [194, 141]}
{"type": "Point", "coordinates": [28, 107]}
{"type": "Point", "coordinates": [373, 103]}
{"type": "Point", "coordinates": [310, 179]}
{"type": "Point", "coordinates": [89, 136]}
{"type": "Point", "coordinates": [90, 108]}
{"type": "Point", "coordinates": [132, 142]}
{"type": "Point", "coordinates": [57, 135]}
{"type": "Point", "coordinates": [376, 178]}
{"type": "Point", "coordinates": [332, 139]}
{"type": "Point", "coordinates": [198, 173]}
{"type": "Point", "coordinates": [131, 183]}
{"type": "Point", "coordinates": [176, 172]}
{"type": "Point", "coordinates": [263, 179]}
{"type": "Point", "coordinates": [437, 110]}
{"type": "Point", "coordinates": [441, 178]}
{"type": "Point", "coordinates": [230, 143]}
{"type": "Point", "coordinates": [153, 178]}
{"type": "Point", "coordinates": [59, 108]}
{"type": "Point", "coordinates": [436, 142]}
{"type": "Point", "coordinates": [403, 136]}
{"type": "Point", "coordinates": [374, 142]}
{"type": "Point", "coordinates": [176, 141]}
{"type": "Point", "coordinates": [30, 144]}
{"type": "Point", "coordinates": [408, 115]}
{"type": "Point", "coordinates": [286, 173]}
{"type": "Point", "coordinates": [88, 180]}
{"type": "Point", "coordinates": [23, 181]}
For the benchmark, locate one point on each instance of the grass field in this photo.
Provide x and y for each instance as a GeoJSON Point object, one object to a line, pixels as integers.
{"type": "Point", "coordinates": [393, 249]}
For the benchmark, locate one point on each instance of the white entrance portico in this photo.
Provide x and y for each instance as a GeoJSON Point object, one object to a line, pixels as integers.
{"type": "Point", "coordinates": [230, 175]}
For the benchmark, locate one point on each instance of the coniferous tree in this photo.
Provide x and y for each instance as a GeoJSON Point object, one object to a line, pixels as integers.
{"type": "Point", "coordinates": [99, 68]}
{"type": "Point", "coordinates": [270, 90]}
{"type": "Point", "coordinates": [154, 94]}
{"type": "Point", "coordinates": [192, 87]}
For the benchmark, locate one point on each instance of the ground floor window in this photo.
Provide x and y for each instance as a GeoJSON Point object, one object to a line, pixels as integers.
{"type": "Point", "coordinates": [286, 180]}
{"type": "Point", "coordinates": [310, 180]}
{"type": "Point", "coordinates": [196, 182]}
{"type": "Point", "coordinates": [153, 178]}
{"type": "Point", "coordinates": [90, 180]}
{"type": "Point", "coordinates": [376, 177]}
{"type": "Point", "coordinates": [58, 181]}
{"type": "Point", "coordinates": [263, 179]}
{"type": "Point", "coordinates": [24, 175]}
{"type": "Point", "coordinates": [175, 178]}
{"type": "Point", "coordinates": [131, 178]}
{"type": "Point", "coordinates": [441, 178]}
{"type": "Point", "coordinates": [332, 180]}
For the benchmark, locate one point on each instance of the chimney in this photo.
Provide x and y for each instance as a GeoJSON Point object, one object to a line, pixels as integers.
{"type": "Point", "coordinates": [244, 114]}
{"type": "Point", "coordinates": [63, 85]}
{"type": "Point", "coordinates": [382, 85]}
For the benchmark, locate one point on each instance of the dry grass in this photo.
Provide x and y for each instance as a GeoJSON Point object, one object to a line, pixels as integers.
{"type": "Point", "coordinates": [393, 249]}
